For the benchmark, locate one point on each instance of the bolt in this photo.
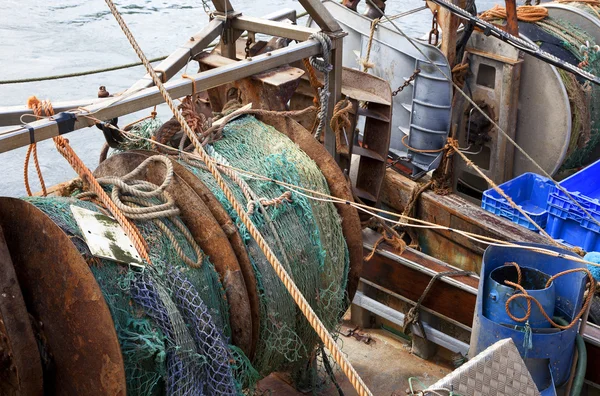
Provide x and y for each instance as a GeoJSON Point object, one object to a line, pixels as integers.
{"type": "Point", "coordinates": [268, 54]}
{"type": "Point", "coordinates": [249, 58]}
{"type": "Point", "coordinates": [192, 38]}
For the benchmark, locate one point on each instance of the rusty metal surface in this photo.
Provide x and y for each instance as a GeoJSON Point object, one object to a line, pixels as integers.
{"type": "Point", "coordinates": [206, 231]}
{"type": "Point", "coordinates": [237, 244]}
{"type": "Point", "coordinates": [338, 187]}
{"type": "Point", "coordinates": [271, 89]}
{"type": "Point", "coordinates": [20, 366]}
{"type": "Point", "coordinates": [66, 305]}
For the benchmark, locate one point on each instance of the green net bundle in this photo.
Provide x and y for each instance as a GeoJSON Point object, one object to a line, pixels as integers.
{"type": "Point", "coordinates": [583, 97]}
{"type": "Point", "coordinates": [306, 236]}
{"type": "Point", "coordinates": [172, 320]}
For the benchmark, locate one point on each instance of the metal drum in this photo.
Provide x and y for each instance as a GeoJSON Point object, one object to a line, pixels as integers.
{"type": "Point", "coordinates": [533, 281]}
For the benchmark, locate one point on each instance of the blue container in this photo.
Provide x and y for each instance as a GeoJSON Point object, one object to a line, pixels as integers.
{"type": "Point", "coordinates": [533, 281]}
{"type": "Point", "coordinates": [529, 191]}
{"type": "Point", "coordinates": [558, 202]}
{"type": "Point", "coordinates": [550, 356]}
{"type": "Point", "coordinates": [573, 228]}
{"type": "Point", "coordinates": [584, 187]}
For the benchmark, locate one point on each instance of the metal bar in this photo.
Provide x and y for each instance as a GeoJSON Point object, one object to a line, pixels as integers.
{"type": "Point", "coordinates": [273, 28]}
{"type": "Point", "coordinates": [178, 59]}
{"type": "Point", "coordinates": [433, 335]}
{"type": "Point", "coordinates": [368, 245]}
{"type": "Point", "coordinates": [47, 128]}
{"type": "Point", "coordinates": [335, 93]}
{"type": "Point", "coordinates": [320, 15]}
{"type": "Point", "coordinates": [414, 303]}
{"type": "Point", "coordinates": [222, 5]}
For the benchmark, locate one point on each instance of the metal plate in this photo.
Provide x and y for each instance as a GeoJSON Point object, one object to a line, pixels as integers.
{"type": "Point", "coordinates": [65, 302]}
{"type": "Point", "coordinates": [104, 237]}
{"type": "Point", "coordinates": [20, 366]}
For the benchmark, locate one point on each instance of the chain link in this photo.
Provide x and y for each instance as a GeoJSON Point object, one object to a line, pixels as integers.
{"type": "Point", "coordinates": [247, 50]}
{"type": "Point", "coordinates": [434, 33]}
{"type": "Point", "coordinates": [407, 82]}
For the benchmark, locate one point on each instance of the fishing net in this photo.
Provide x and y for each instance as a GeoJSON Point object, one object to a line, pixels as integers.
{"type": "Point", "coordinates": [305, 234]}
{"type": "Point", "coordinates": [172, 321]}
{"type": "Point", "coordinates": [583, 96]}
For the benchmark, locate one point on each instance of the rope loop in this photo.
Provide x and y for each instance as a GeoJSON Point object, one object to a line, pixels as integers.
{"type": "Point", "coordinates": [530, 299]}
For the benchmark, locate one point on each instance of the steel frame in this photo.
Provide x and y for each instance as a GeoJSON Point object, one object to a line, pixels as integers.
{"type": "Point", "coordinates": [227, 24]}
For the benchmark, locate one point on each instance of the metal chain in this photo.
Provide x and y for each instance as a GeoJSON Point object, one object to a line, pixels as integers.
{"type": "Point", "coordinates": [434, 33]}
{"type": "Point", "coordinates": [247, 49]}
{"type": "Point", "coordinates": [407, 82]}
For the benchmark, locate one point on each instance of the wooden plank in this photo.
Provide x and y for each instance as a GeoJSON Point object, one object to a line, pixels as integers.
{"type": "Point", "coordinates": [512, 25]}
{"type": "Point", "coordinates": [320, 15]}
{"type": "Point", "coordinates": [273, 28]}
{"type": "Point", "coordinates": [222, 5]}
{"type": "Point", "coordinates": [444, 298]}
{"type": "Point", "coordinates": [116, 107]}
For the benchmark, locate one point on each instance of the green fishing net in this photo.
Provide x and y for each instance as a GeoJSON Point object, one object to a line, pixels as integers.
{"type": "Point", "coordinates": [172, 321]}
{"type": "Point", "coordinates": [584, 97]}
{"type": "Point", "coordinates": [305, 234]}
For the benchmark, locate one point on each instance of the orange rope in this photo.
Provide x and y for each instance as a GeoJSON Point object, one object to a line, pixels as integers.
{"type": "Point", "coordinates": [63, 147]}
{"type": "Point", "coordinates": [524, 13]}
{"type": "Point", "coordinates": [529, 298]}
{"type": "Point", "coordinates": [39, 111]}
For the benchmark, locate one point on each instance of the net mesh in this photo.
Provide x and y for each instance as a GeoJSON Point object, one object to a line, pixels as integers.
{"type": "Point", "coordinates": [306, 236]}
{"type": "Point", "coordinates": [172, 321]}
{"type": "Point", "coordinates": [584, 97]}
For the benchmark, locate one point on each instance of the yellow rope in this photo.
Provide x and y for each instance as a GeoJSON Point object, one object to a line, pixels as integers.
{"type": "Point", "coordinates": [288, 282]}
{"type": "Point", "coordinates": [319, 196]}
{"type": "Point", "coordinates": [524, 13]}
{"type": "Point", "coordinates": [365, 63]}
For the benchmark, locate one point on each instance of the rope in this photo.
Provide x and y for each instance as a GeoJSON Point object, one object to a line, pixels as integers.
{"type": "Point", "coordinates": [135, 199]}
{"type": "Point", "coordinates": [412, 317]}
{"type": "Point", "coordinates": [285, 197]}
{"type": "Point", "coordinates": [78, 74]}
{"type": "Point", "coordinates": [365, 63]}
{"type": "Point", "coordinates": [40, 109]}
{"type": "Point", "coordinates": [590, 295]}
{"type": "Point", "coordinates": [502, 193]}
{"type": "Point", "coordinates": [372, 211]}
{"type": "Point", "coordinates": [526, 13]}
{"type": "Point", "coordinates": [324, 66]}
{"type": "Point", "coordinates": [340, 122]}
{"type": "Point", "coordinates": [288, 282]}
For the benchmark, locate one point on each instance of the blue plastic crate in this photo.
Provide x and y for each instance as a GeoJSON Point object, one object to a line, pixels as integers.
{"type": "Point", "coordinates": [529, 191]}
{"type": "Point", "coordinates": [584, 187]}
{"type": "Point", "coordinates": [565, 208]}
{"type": "Point", "coordinates": [572, 232]}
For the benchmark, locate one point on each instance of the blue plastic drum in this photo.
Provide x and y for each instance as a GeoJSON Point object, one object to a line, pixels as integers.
{"type": "Point", "coordinates": [496, 293]}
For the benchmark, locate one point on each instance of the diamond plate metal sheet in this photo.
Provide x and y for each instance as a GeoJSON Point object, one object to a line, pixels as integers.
{"type": "Point", "coordinates": [497, 371]}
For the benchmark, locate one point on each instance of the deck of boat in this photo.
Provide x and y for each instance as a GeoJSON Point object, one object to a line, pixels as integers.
{"type": "Point", "coordinates": [385, 365]}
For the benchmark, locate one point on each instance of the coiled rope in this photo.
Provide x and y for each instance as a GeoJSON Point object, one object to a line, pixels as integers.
{"type": "Point", "coordinates": [136, 200]}
{"type": "Point", "coordinates": [526, 13]}
{"type": "Point", "coordinates": [288, 282]}
{"type": "Point", "coordinates": [590, 295]}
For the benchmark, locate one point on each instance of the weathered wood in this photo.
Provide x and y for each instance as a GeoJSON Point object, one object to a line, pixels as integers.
{"type": "Point", "coordinates": [116, 107]}
{"type": "Point", "coordinates": [457, 213]}
{"type": "Point", "coordinates": [512, 25]}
